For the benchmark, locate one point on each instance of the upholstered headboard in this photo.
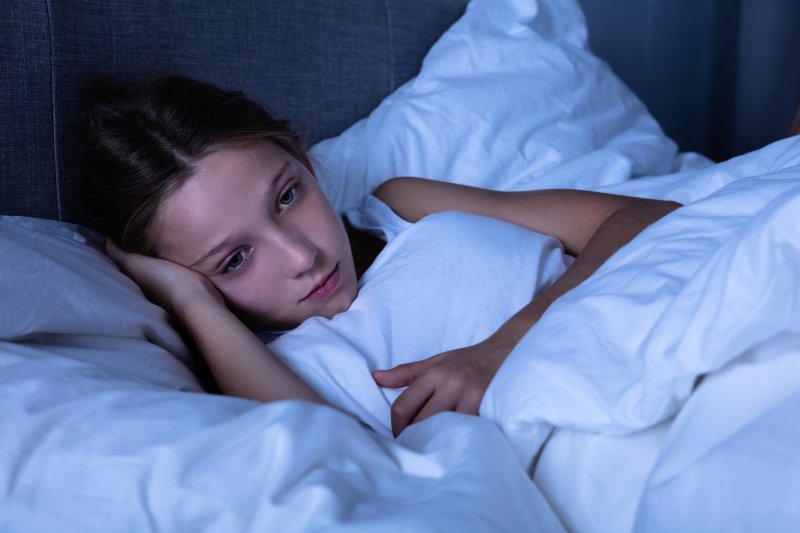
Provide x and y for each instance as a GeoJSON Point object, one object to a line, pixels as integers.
{"type": "Point", "coordinates": [322, 64]}
{"type": "Point", "coordinates": [325, 64]}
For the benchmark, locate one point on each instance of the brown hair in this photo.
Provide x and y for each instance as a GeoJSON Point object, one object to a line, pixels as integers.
{"type": "Point", "coordinates": [142, 143]}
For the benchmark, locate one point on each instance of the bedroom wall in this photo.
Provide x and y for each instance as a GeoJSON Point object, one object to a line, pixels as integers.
{"type": "Point", "coordinates": [721, 76]}
{"type": "Point", "coordinates": [768, 78]}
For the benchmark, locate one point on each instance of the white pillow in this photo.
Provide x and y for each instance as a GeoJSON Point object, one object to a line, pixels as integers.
{"type": "Point", "coordinates": [62, 297]}
{"type": "Point", "coordinates": [509, 98]}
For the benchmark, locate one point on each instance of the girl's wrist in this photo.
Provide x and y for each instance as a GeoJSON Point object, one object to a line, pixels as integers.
{"type": "Point", "coordinates": [187, 300]}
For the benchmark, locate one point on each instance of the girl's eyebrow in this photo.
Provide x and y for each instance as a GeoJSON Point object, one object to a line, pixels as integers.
{"type": "Point", "coordinates": [211, 253]}
{"type": "Point", "coordinates": [227, 242]}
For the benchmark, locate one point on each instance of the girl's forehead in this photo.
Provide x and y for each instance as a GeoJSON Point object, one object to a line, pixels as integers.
{"type": "Point", "coordinates": [229, 173]}
{"type": "Point", "coordinates": [226, 195]}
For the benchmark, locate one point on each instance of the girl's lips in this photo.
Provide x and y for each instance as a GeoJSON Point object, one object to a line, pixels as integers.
{"type": "Point", "coordinates": [326, 288]}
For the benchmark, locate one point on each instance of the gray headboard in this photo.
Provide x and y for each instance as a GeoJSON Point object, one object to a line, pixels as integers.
{"type": "Point", "coordinates": [324, 64]}
{"type": "Point", "coordinates": [320, 63]}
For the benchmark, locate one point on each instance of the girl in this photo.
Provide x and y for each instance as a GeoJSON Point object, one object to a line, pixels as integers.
{"type": "Point", "coordinates": [212, 207]}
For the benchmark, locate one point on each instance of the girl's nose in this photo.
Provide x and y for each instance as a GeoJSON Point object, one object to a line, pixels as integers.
{"type": "Point", "coordinates": [299, 254]}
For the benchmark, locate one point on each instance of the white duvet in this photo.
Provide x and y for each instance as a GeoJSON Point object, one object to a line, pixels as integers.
{"type": "Point", "coordinates": [446, 282]}
{"type": "Point", "coordinates": [105, 428]}
{"type": "Point", "coordinates": [712, 290]}
{"type": "Point", "coordinates": [97, 442]}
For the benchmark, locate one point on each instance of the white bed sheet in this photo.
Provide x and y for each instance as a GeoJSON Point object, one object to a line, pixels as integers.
{"type": "Point", "coordinates": [95, 440]}
{"type": "Point", "coordinates": [714, 290]}
{"type": "Point", "coordinates": [88, 449]}
{"type": "Point", "coordinates": [511, 98]}
{"type": "Point", "coordinates": [105, 429]}
{"type": "Point", "coordinates": [109, 446]}
{"type": "Point", "coordinates": [446, 282]}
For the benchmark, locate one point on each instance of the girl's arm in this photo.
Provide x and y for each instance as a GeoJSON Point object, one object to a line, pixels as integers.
{"type": "Point", "coordinates": [241, 364]}
{"type": "Point", "coordinates": [592, 226]}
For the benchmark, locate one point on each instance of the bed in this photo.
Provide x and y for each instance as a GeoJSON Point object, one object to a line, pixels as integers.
{"type": "Point", "coordinates": [661, 394]}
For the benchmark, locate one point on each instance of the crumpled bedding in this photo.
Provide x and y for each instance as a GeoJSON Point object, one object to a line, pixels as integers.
{"type": "Point", "coordinates": [105, 444]}
{"type": "Point", "coordinates": [674, 357]}
{"type": "Point", "coordinates": [446, 282]}
{"type": "Point", "coordinates": [85, 450]}
{"type": "Point", "coordinates": [106, 428]}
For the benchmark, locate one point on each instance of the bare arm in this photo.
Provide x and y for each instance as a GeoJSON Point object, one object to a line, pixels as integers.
{"type": "Point", "coordinates": [241, 364]}
{"type": "Point", "coordinates": [592, 226]}
{"type": "Point", "coordinates": [574, 217]}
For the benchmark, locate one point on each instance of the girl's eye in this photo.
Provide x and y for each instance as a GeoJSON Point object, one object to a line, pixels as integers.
{"type": "Point", "coordinates": [236, 262]}
{"type": "Point", "coordinates": [288, 197]}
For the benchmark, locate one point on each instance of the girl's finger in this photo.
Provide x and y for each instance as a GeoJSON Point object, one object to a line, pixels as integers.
{"type": "Point", "coordinates": [438, 403]}
{"type": "Point", "coordinates": [408, 404]}
{"type": "Point", "coordinates": [400, 376]}
{"type": "Point", "coordinates": [403, 375]}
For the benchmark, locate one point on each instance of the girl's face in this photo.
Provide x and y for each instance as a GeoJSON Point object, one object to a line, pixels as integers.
{"type": "Point", "coordinates": [255, 222]}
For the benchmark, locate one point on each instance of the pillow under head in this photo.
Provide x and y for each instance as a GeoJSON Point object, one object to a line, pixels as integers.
{"type": "Point", "coordinates": [62, 297]}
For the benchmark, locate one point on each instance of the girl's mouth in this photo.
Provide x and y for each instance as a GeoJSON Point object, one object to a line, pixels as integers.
{"type": "Point", "coordinates": [326, 287]}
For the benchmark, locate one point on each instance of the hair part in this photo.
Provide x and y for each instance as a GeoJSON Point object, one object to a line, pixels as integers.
{"type": "Point", "coordinates": [142, 143]}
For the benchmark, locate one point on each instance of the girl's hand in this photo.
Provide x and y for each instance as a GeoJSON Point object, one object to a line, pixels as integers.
{"type": "Point", "coordinates": [170, 285]}
{"type": "Point", "coordinates": [451, 381]}
{"type": "Point", "coordinates": [241, 364]}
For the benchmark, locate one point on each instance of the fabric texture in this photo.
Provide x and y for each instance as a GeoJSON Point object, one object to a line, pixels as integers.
{"type": "Point", "coordinates": [707, 292]}
{"type": "Point", "coordinates": [94, 452]}
{"type": "Point", "coordinates": [301, 60]}
{"type": "Point", "coordinates": [29, 180]}
{"type": "Point", "coordinates": [378, 219]}
{"type": "Point", "coordinates": [508, 98]}
{"type": "Point", "coordinates": [110, 432]}
{"type": "Point", "coordinates": [413, 303]}
{"type": "Point", "coordinates": [62, 297]}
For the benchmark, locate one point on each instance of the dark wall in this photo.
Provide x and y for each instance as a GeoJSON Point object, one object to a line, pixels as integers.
{"type": "Point", "coordinates": [768, 78]}
{"type": "Point", "coordinates": [721, 76]}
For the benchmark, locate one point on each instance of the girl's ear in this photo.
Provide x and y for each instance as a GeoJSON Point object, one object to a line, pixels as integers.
{"type": "Point", "coordinates": [307, 163]}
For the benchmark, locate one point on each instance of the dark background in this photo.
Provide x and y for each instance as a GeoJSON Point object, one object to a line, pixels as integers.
{"type": "Point", "coordinates": [722, 77]}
